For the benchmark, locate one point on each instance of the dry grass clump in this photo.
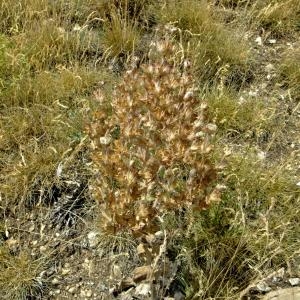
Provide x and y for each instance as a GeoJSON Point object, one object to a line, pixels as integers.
{"type": "Point", "coordinates": [151, 155]}
{"type": "Point", "coordinates": [41, 116]}
{"type": "Point", "coordinates": [63, 87]}
{"type": "Point", "coordinates": [121, 35]}
{"type": "Point", "coordinates": [290, 71]}
{"type": "Point", "coordinates": [32, 144]}
{"type": "Point", "coordinates": [252, 232]}
{"type": "Point", "coordinates": [213, 47]}
{"type": "Point", "coordinates": [233, 4]}
{"type": "Point", "coordinates": [268, 209]}
{"type": "Point", "coordinates": [124, 23]}
{"type": "Point", "coordinates": [241, 116]}
{"type": "Point", "coordinates": [17, 16]}
{"type": "Point", "coordinates": [19, 275]}
{"type": "Point", "coordinates": [94, 12]}
{"type": "Point", "coordinates": [121, 22]}
{"type": "Point", "coordinates": [187, 15]}
{"type": "Point", "coordinates": [280, 17]}
{"type": "Point", "coordinates": [47, 45]}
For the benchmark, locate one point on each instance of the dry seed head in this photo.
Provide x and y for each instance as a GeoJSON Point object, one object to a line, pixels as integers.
{"type": "Point", "coordinates": [159, 160]}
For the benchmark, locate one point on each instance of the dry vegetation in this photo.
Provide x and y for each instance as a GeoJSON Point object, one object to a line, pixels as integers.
{"type": "Point", "coordinates": [142, 133]}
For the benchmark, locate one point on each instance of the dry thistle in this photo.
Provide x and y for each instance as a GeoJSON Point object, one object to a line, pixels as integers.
{"type": "Point", "coordinates": [152, 153]}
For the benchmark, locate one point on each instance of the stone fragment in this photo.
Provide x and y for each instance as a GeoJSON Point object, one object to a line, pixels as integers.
{"type": "Point", "coordinates": [65, 271]}
{"type": "Point", "coordinates": [55, 281]}
{"type": "Point", "coordinates": [258, 40]}
{"type": "Point", "coordinates": [71, 289]}
{"type": "Point", "coordinates": [93, 239]}
{"type": "Point", "coordinates": [141, 273]}
{"type": "Point", "coordinates": [263, 287]}
{"type": "Point", "coordinates": [294, 281]}
{"type": "Point", "coordinates": [143, 289]}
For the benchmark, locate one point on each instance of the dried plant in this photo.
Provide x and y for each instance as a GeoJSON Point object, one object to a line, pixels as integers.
{"type": "Point", "coordinates": [151, 149]}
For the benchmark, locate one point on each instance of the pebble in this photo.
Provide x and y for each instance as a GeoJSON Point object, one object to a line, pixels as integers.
{"type": "Point", "coordinates": [43, 248]}
{"type": "Point", "coordinates": [72, 289]}
{"type": "Point", "coordinates": [294, 281]}
{"type": "Point", "coordinates": [87, 264]}
{"type": "Point", "coordinates": [269, 67]}
{"type": "Point", "coordinates": [102, 287]}
{"type": "Point", "coordinates": [261, 155]}
{"type": "Point", "coordinates": [31, 228]}
{"type": "Point", "coordinates": [65, 271]}
{"type": "Point", "coordinates": [143, 289]}
{"type": "Point", "coordinates": [263, 287]}
{"type": "Point", "coordinates": [105, 140]}
{"type": "Point", "coordinates": [86, 293]}
{"type": "Point", "coordinates": [253, 93]}
{"type": "Point", "coordinates": [55, 280]}
{"type": "Point", "coordinates": [258, 40]}
{"type": "Point", "coordinates": [93, 239]}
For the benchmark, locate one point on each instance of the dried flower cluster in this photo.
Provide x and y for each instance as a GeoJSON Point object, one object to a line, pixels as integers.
{"type": "Point", "coordinates": [151, 149]}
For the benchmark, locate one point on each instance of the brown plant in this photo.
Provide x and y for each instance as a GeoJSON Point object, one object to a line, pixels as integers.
{"type": "Point", "coordinates": [151, 149]}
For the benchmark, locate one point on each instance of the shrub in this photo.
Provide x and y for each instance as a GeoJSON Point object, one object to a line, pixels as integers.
{"type": "Point", "coordinates": [151, 147]}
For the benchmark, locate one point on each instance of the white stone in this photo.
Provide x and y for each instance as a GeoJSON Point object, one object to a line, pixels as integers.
{"type": "Point", "coordinates": [88, 293]}
{"type": "Point", "coordinates": [269, 67]}
{"type": "Point", "coordinates": [294, 281]}
{"type": "Point", "coordinates": [188, 95]}
{"type": "Point", "coordinates": [59, 170]}
{"type": "Point", "coordinates": [261, 155]}
{"type": "Point", "coordinates": [105, 140]}
{"type": "Point", "coordinates": [253, 93]}
{"type": "Point", "coordinates": [258, 40]}
{"type": "Point", "coordinates": [143, 289]}
{"type": "Point", "coordinates": [76, 27]}
{"type": "Point", "coordinates": [43, 248]}
{"type": "Point", "coordinates": [55, 280]}
{"type": "Point", "coordinates": [263, 287]}
{"type": "Point", "coordinates": [93, 239]}
{"type": "Point", "coordinates": [211, 127]}
{"type": "Point", "coordinates": [72, 289]}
